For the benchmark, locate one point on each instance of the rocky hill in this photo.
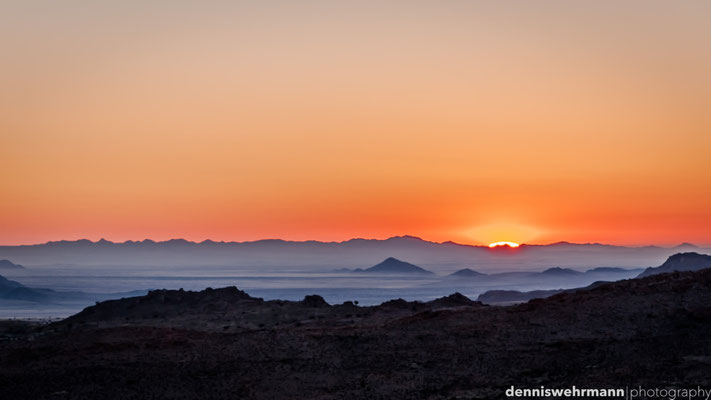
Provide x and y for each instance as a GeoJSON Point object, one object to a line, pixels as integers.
{"type": "Point", "coordinates": [230, 309]}
{"type": "Point", "coordinates": [690, 261]}
{"type": "Point", "coordinates": [225, 344]}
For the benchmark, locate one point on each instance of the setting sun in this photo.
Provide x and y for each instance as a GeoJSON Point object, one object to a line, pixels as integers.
{"type": "Point", "coordinates": [308, 126]}
{"type": "Point", "coordinates": [510, 244]}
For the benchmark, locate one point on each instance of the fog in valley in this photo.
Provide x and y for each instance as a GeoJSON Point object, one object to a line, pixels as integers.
{"type": "Point", "coordinates": [60, 278]}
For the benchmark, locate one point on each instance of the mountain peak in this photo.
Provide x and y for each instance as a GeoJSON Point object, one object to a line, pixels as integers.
{"type": "Point", "coordinates": [405, 238]}
{"type": "Point", "coordinates": [560, 243]}
{"type": "Point", "coordinates": [177, 241]}
{"type": "Point", "coordinates": [392, 265]}
{"type": "Point", "coordinates": [467, 273]}
{"type": "Point", "coordinates": [686, 245]}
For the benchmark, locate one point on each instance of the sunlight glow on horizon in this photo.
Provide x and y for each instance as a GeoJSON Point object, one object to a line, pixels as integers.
{"type": "Point", "coordinates": [509, 244]}
{"type": "Point", "coordinates": [464, 121]}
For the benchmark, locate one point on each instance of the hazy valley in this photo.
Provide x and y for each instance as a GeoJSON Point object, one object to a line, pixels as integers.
{"type": "Point", "coordinates": [73, 275]}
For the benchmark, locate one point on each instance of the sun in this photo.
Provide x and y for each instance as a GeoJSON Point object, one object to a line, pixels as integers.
{"type": "Point", "coordinates": [497, 244]}
{"type": "Point", "coordinates": [504, 233]}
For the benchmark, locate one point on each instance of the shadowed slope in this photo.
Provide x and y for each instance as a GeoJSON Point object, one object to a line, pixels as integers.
{"type": "Point", "coordinates": [649, 332]}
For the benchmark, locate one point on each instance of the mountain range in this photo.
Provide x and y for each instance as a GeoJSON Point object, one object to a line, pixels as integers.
{"type": "Point", "coordinates": [441, 258]}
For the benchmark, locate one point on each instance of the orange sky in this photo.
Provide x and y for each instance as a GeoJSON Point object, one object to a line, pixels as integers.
{"type": "Point", "coordinates": [454, 120]}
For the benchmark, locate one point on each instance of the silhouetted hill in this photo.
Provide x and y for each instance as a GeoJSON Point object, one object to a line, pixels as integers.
{"type": "Point", "coordinates": [7, 264]}
{"type": "Point", "coordinates": [394, 266]}
{"type": "Point", "coordinates": [453, 300]}
{"type": "Point", "coordinates": [466, 273]}
{"type": "Point", "coordinates": [680, 262]}
{"type": "Point", "coordinates": [686, 246]}
{"type": "Point", "coordinates": [229, 306]}
{"type": "Point", "coordinates": [651, 331]}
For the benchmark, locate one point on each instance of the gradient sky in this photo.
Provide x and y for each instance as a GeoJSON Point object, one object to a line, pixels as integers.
{"type": "Point", "coordinates": [450, 120]}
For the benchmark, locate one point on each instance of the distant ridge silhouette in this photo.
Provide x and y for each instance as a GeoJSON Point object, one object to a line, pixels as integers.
{"type": "Point", "coordinates": [401, 238]}
{"type": "Point", "coordinates": [444, 258]}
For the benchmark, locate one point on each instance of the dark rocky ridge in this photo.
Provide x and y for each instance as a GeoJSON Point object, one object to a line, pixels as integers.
{"type": "Point", "coordinates": [651, 332]}
{"type": "Point", "coordinates": [232, 309]}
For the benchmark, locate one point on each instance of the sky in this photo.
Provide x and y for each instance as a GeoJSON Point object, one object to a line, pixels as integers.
{"type": "Point", "coordinates": [471, 121]}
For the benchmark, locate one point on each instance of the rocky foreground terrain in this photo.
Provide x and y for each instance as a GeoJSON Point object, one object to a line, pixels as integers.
{"type": "Point", "coordinates": [224, 344]}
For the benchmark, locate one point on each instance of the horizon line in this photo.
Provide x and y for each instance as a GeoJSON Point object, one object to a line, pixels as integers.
{"type": "Point", "coordinates": [210, 241]}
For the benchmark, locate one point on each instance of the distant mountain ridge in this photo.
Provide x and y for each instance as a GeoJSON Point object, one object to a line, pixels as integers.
{"type": "Point", "coordinates": [444, 258]}
{"type": "Point", "coordinates": [411, 238]}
